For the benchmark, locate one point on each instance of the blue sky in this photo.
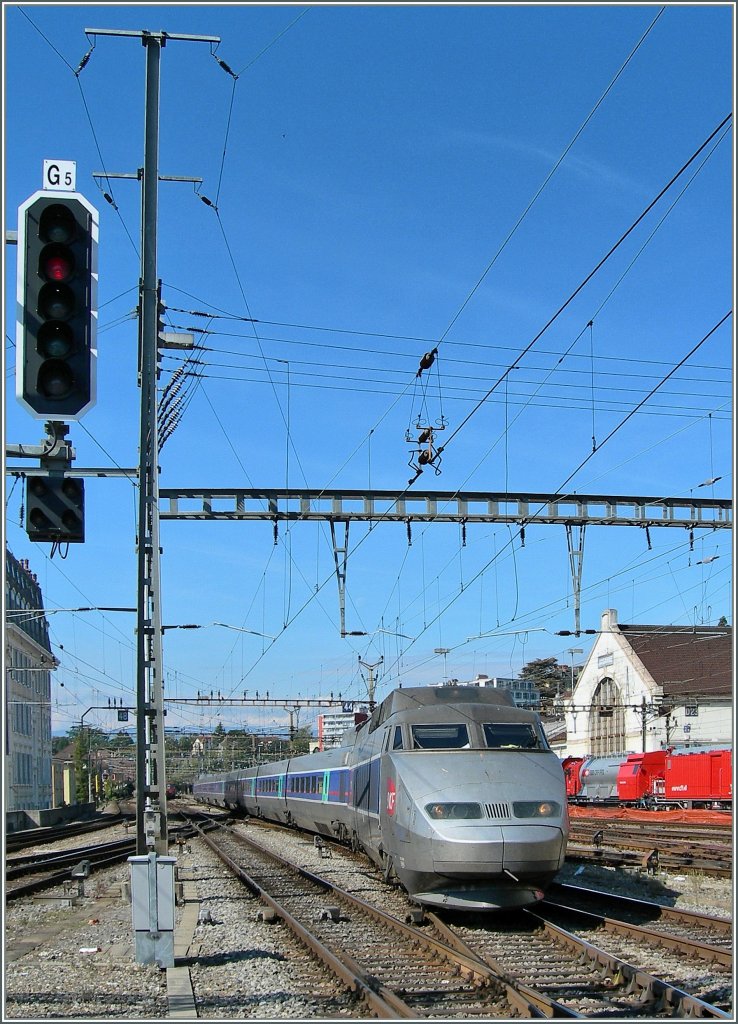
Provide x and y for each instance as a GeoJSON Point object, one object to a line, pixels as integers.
{"type": "Point", "coordinates": [368, 166]}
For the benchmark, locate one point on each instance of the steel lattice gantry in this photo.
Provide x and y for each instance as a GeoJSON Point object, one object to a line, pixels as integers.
{"type": "Point", "coordinates": [573, 511]}
{"type": "Point", "coordinates": [296, 504]}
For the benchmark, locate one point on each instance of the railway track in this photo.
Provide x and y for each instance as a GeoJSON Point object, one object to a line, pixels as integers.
{"type": "Point", "coordinates": [707, 850]}
{"type": "Point", "coordinates": [587, 980]}
{"type": "Point", "coordinates": [369, 949]}
{"type": "Point", "coordinates": [21, 840]}
{"type": "Point", "coordinates": [66, 859]}
{"type": "Point", "coordinates": [661, 953]}
{"type": "Point", "coordinates": [50, 870]}
{"type": "Point", "coordinates": [718, 931]}
{"type": "Point", "coordinates": [453, 970]}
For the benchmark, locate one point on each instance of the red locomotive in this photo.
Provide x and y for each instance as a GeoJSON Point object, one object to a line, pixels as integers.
{"type": "Point", "coordinates": [665, 779]}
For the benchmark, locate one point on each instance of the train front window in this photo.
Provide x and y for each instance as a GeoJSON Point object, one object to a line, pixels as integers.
{"type": "Point", "coordinates": [440, 737]}
{"type": "Point", "coordinates": [512, 736]}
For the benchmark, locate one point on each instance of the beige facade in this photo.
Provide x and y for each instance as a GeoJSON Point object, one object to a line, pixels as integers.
{"type": "Point", "coordinates": [28, 664]}
{"type": "Point", "coordinates": [643, 688]}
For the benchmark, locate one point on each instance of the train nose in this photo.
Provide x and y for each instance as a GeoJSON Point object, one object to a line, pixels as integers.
{"type": "Point", "coordinates": [453, 854]}
{"type": "Point", "coordinates": [520, 850]}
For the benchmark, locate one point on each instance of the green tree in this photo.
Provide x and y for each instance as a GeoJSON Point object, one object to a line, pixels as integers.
{"type": "Point", "coordinates": [301, 742]}
{"type": "Point", "coordinates": [81, 774]}
{"type": "Point", "coordinates": [58, 743]}
{"type": "Point", "coordinates": [547, 675]}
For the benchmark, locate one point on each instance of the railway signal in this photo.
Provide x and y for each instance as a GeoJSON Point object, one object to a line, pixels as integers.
{"type": "Point", "coordinates": [57, 305]}
{"type": "Point", "coordinates": [55, 509]}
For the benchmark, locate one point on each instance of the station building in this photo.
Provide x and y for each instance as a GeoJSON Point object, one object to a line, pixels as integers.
{"type": "Point", "coordinates": [28, 666]}
{"type": "Point", "coordinates": [645, 687]}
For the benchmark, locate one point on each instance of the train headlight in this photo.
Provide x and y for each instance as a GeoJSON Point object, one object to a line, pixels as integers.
{"type": "Point", "coordinates": [536, 809]}
{"type": "Point", "coordinates": [453, 811]}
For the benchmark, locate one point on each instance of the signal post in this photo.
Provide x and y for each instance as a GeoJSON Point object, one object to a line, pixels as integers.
{"type": "Point", "coordinates": [152, 871]}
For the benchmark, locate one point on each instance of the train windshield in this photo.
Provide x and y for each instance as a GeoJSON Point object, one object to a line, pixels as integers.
{"type": "Point", "coordinates": [512, 736]}
{"type": "Point", "coordinates": [440, 737]}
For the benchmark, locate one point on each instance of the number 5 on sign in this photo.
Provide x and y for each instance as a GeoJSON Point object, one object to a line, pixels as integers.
{"type": "Point", "coordinates": [60, 175]}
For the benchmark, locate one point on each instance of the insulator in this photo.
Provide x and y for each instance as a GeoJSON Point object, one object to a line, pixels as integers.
{"type": "Point", "coordinates": [424, 458]}
{"type": "Point", "coordinates": [427, 361]}
{"type": "Point", "coordinates": [83, 62]}
{"type": "Point", "coordinates": [426, 435]}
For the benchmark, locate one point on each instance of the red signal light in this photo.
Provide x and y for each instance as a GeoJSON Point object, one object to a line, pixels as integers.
{"type": "Point", "coordinates": [57, 268]}
{"type": "Point", "coordinates": [56, 263]}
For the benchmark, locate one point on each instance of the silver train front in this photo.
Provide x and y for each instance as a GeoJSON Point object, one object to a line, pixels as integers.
{"type": "Point", "coordinates": [452, 791]}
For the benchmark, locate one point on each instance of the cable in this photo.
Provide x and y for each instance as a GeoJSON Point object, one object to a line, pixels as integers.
{"type": "Point", "coordinates": [269, 45]}
{"type": "Point", "coordinates": [644, 400]}
{"type": "Point", "coordinates": [560, 490]}
{"type": "Point", "coordinates": [589, 276]}
{"type": "Point", "coordinates": [465, 395]}
{"type": "Point", "coordinates": [403, 374]}
{"type": "Point", "coordinates": [225, 315]}
{"type": "Point", "coordinates": [550, 175]}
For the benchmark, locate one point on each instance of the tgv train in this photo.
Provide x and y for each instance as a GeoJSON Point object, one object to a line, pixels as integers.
{"type": "Point", "coordinates": [452, 791]}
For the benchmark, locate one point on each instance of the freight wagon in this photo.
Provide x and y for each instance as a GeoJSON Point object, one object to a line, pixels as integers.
{"type": "Point", "coordinates": [659, 779]}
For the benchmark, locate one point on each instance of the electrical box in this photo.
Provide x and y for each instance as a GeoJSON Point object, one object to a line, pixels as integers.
{"type": "Point", "coordinates": [152, 908]}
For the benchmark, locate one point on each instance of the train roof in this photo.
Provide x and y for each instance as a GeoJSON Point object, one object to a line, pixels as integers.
{"type": "Point", "coordinates": [434, 696]}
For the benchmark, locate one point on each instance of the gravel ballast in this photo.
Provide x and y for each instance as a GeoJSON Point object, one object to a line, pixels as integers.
{"type": "Point", "coordinates": [239, 967]}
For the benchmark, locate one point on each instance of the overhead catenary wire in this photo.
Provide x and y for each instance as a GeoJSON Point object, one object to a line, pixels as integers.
{"type": "Point", "coordinates": [553, 401]}
{"type": "Point", "coordinates": [589, 117]}
{"type": "Point", "coordinates": [374, 524]}
{"type": "Point", "coordinates": [398, 375]}
{"type": "Point", "coordinates": [590, 275]}
{"type": "Point", "coordinates": [551, 607]}
{"type": "Point", "coordinates": [549, 176]}
{"type": "Point", "coordinates": [76, 73]}
{"type": "Point", "coordinates": [222, 314]}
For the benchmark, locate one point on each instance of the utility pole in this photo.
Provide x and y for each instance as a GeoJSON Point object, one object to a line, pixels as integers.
{"type": "Point", "coordinates": [89, 751]}
{"type": "Point", "coordinates": [151, 816]}
{"type": "Point", "coordinates": [644, 712]}
{"type": "Point", "coordinates": [572, 651]}
{"type": "Point", "coordinates": [153, 913]}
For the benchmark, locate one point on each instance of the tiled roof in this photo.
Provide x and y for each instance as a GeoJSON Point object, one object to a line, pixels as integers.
{"type": "Point", "coordinates": [66, 753]}
{"type": "Point", "coordinates": [686, 661]}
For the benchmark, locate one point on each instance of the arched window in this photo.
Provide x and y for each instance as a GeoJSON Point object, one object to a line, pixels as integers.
{"type": "Point", "coordinates": [607, 719]}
